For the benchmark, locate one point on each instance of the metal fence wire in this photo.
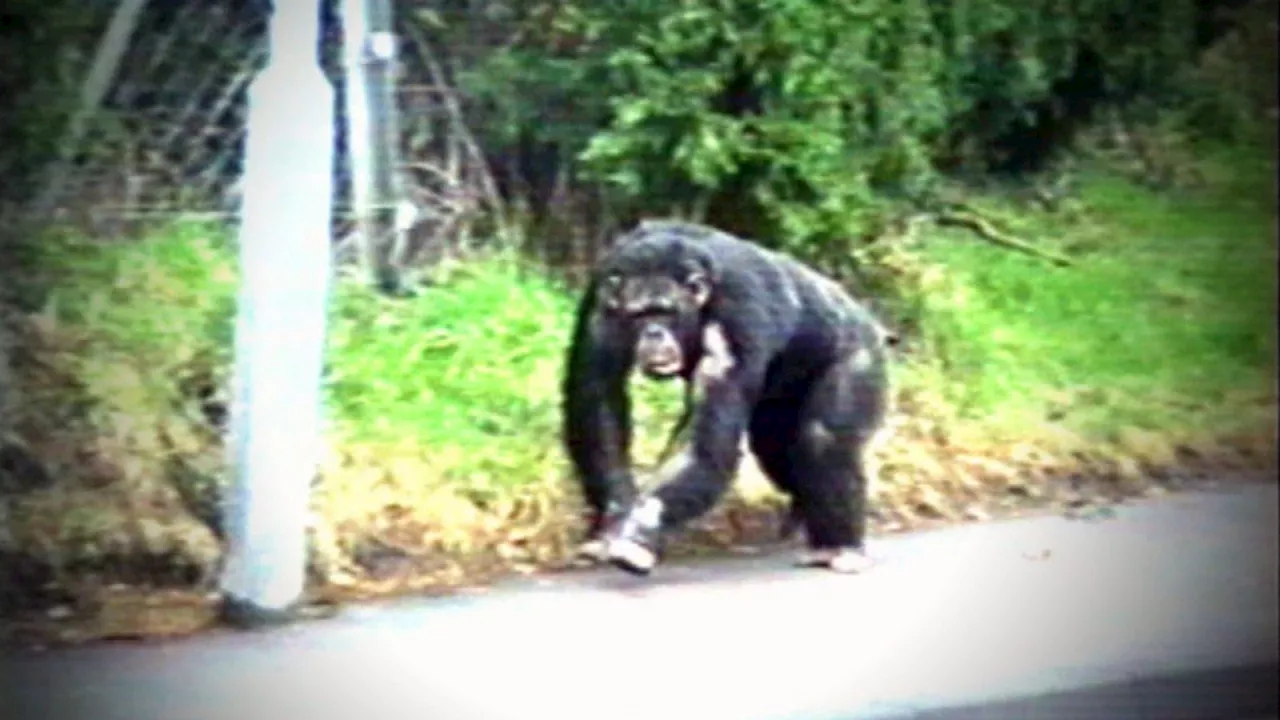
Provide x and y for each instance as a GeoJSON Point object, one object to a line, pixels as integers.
{"type": "Point", "coordinates": [168, 136]}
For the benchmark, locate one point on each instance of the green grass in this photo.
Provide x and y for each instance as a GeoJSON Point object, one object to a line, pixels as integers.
{"type": "Point", "coordinates": [139, 315]}
{"type": "Point", "coordinates": [466, 372]}
{"type": "Point", "coordinates": [472, 364]}
{"type": "Point", "coordinates": [1166, 323]}
{"type": "Point", "coordinates": [473, 361]}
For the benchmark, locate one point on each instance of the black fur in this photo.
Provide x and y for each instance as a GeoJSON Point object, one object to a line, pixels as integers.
{"type": "Point", "coordinates": [807, 385]}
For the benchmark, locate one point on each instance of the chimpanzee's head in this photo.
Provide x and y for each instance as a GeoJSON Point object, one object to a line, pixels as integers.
{"type": "Point", "coordinates": [653, 289]}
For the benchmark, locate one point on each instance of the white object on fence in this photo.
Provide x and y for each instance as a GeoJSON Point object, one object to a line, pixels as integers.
{"type": "Point", "coordinates": [286, 266]}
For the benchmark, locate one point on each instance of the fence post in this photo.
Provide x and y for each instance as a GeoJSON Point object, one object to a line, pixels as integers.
{"type": "Point", "coordinates": [373, 137]}
{"type": "Point", "coordinates": [286, 268]}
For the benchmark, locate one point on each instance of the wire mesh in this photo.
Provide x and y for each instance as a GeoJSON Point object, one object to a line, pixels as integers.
{"type": "Point", "coordinates": [168, 139]}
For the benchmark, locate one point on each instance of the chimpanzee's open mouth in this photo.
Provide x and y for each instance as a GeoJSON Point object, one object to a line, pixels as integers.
{"type": "Point", "coordinates": [662, 369]}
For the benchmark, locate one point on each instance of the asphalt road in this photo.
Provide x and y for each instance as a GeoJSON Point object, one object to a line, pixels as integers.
{"type": "Point", "coordinates": [1168, 610]}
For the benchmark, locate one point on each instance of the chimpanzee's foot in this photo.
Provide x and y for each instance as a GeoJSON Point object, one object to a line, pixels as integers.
{"type": "Point", "coordinates": [635, 545]}
{"type": "Point", "coordinates": [593, 551]}
{"type": "Point", "coordinates": [632, 557]}
{"type": "Point", "coordinates": [842, 560]}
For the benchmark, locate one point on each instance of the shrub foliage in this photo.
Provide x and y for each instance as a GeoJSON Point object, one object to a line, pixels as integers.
{"type": "Point", "coordinates": [796, 116]}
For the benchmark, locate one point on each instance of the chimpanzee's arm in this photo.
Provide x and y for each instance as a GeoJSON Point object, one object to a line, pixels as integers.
{"type": "Point", "coordinates": [729, 388]}
{"type": "Point", "coordinates": [597, 415]}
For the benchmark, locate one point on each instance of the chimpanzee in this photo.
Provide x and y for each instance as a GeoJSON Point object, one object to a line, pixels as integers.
{"type": "Point", "coordinates": [771, 349]}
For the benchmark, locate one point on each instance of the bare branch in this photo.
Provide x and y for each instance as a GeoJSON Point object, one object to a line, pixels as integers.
{"type": "Point", "coordinates": [488, 187]}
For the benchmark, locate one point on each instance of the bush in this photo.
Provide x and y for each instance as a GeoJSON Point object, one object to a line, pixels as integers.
{"type": "Point", "coordinates": [791, 119]}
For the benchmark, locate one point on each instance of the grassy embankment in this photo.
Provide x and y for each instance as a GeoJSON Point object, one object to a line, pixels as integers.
{"type": "Point", "coordinates": [1156, 350]}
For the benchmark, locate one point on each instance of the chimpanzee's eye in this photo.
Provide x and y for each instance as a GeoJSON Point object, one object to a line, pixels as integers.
{"type": "Point", "coordinates": [611, 290]}
{"type": "Point", "coordinates": [699, 287]}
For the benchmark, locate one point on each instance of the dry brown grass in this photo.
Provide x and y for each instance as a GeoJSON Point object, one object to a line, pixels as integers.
{"type": "Point", "coordinates": [110, 549]}
{"type": "Point", "coordinates": [386, 528]}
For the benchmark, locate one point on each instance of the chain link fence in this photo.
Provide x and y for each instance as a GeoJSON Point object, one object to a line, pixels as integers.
{"type": "Point", "coordinates": [168, 137]}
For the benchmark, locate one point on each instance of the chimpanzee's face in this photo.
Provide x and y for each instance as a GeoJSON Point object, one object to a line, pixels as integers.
{"type": "Point", "coordinates": [660, 312]}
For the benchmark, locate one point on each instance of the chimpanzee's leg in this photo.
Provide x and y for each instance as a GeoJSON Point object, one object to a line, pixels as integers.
{"type": "Point", "coordinates": [842, 412]}
{"type": "Point", "coordinates": [771, 436]}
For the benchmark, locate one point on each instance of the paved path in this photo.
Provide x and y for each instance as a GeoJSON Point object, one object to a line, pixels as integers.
{"type": "Point", "coordinates": [1168, 610]}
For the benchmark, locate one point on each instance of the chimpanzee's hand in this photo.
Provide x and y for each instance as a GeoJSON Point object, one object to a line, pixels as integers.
{"type": "Point", "coordinates": [635, 544]}
{"type": "Point", "coordinates": [600, 525]}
